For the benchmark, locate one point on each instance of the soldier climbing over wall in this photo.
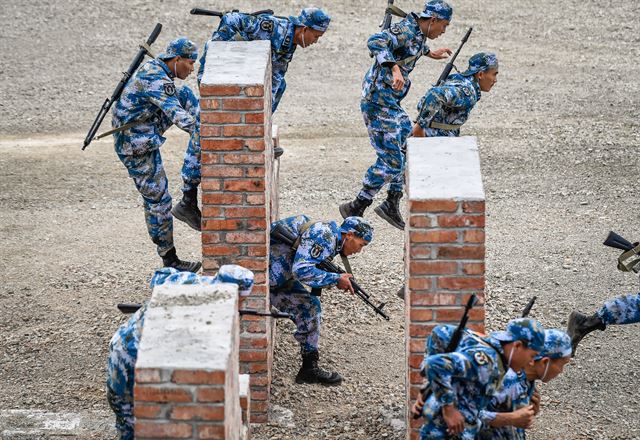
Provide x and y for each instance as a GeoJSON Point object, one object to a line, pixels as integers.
{"type": "Point", "coordinates": [396, 51]}
{"type": "Point", "coordinates": [148, 106]}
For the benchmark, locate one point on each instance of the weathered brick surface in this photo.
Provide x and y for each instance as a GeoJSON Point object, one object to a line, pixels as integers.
{"type": "Point", "coordinates": [239, 199]}
{"type": "Point", "coordinates": [444, 258]}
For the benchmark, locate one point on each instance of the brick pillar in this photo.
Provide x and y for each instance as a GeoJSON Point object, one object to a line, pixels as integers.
{"type": "Point", "coordinates": [237, 160]}
{"type": "Point", "coordinates": [444, 246]}
{"type": "Point", "coordinates": [186, 378]}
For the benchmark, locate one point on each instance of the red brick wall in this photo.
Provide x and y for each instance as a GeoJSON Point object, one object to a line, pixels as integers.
{"type": "Point", "coordinates": [237, 162]}
{"type": "Point", "coordinates": [444, 261]}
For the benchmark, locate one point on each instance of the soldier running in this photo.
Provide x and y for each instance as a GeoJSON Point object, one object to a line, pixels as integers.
{"type": "Point", "coordinates": [396, 51]}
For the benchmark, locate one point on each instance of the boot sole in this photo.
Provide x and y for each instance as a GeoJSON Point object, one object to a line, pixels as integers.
{"type": "Point", "coordinates": [343, 210]}
{"type": "Point", "coordinates": [179, 216]}
{"type": "Point", "coordinates": [388, 219]}
{"type": "Point", "coordinates": [326, 384]}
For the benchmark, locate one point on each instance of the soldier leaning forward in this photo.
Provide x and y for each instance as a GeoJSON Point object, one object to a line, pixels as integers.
{"type": "Point", "coordinates": [291, 269]}
{"type": "Point", "coordinates": [513, 408]}
{"type": "Point", "coordinates": [123, 348]}
{"type": "Point", "coordinates": [443, 109]}
{"type": "Point", "coordinates": [396, 51]}
{"type": "Point", "coordinates": [148, 106]}
{"type": "Point", "coordinates": [285, 34]}
{"type": "Point", "coordinates": [617, 311]}
{"type": "Point", "coordinates": [462, 382]}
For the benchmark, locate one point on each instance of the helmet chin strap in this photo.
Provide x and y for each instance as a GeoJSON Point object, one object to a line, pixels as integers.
{"type": "Point", "coordinates": [175, 68]}
{"type": "Point", "coordinates": [303, 43]}
{"type": "Point", "coordinates": [510, 357]}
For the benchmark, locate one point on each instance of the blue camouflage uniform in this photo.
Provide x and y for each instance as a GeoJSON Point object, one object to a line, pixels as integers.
{"type": "Point", "coordinates": [278, 30]}
{"type": "Point", "coordinates": [451, 103]}
{"type": "Point", "coordinates": [290, 270]}
{"type": "Point", "coordinates": [387, 123]}
{"type": "Point", "coordinates": [516, 390]}
{"type": "Point", "coordinates": [621, 310]}
{"type": "Point", "coordinates": [469, 376]}
{"type": "Point", "coordinates": [152, 101]}
{"type": "Point", "coordinates": [123, 348]}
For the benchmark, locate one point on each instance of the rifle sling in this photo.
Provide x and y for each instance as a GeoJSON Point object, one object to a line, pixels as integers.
{"type": "Point", "coordinates": [394, 10]}
{"type": "Point", "coordinates": [117, 129]}
{"type": "Point", "coordinates": [347, 265]}
{"type": "Point", "coordinates": [441, 126]}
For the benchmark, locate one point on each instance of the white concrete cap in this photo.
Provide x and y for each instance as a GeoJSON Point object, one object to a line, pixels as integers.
{"type": "Point", "coordinates": [243, 385]}
{"type": "Point", "coordinates": [189, 327]}
{"type": "Point", "coordinates": [241, 63]}
{"type": "Point", "coordinates": [444, 168]}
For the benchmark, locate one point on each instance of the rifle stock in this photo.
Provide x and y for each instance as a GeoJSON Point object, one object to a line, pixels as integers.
{"type": "Point", "coordinates": [529, 306]}
{"type": "Point", "coordinates": [123, 82]}
{"type": "Point", "coordinates": [127, 308]}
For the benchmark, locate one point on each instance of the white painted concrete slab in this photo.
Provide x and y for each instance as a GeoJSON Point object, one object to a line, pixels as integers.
{"type": "Point", "coordinates": [444, 168]}
{"type": "Point", "coordinates": [35, 423]}
{"type": "Point", "coordinates": [189, 327]}
{"type": "Point", "coordinates": [241, 63]}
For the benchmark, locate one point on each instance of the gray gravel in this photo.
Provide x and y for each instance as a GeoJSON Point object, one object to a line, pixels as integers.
{"type": "Point", "coordinates": [557, 137]}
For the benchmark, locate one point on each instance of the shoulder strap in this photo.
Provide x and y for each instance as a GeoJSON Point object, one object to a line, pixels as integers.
{"type": "Point", "coordinates": [301, 231]}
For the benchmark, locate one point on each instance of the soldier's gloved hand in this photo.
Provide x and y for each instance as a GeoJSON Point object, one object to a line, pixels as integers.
{"type": "Point", "coordinates": [535, 401]}
{"type": "Point", "coordinates": [417, 407]}
{"type": "Point", "coordinates": [523, 417]}
{"type": "Point", "coordinates": [453, 419]}
{"type": "Point", "coordinates": [398, 79]}
{"type": "Point", "coordinates": [440, 54]}
{"type": "Point", "coordinates": [344, 282]}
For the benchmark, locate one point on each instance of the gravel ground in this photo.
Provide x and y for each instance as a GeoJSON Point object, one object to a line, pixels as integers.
{"type": "Point", "coordinates": [556, 138]}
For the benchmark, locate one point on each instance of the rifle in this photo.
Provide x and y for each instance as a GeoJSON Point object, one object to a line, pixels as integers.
{"type": "Point", "coordinates": [629, 260]}
{"type": "Point", "coordinates": [127, 308]}
{"type": "Point", "coordinates": [452, 345]}
{"type": "Point", "coordinates": [447, 69]}
{"type": "Point", "coordinates": [529, 306]}
{"type": "Point", "coordinates": [145, 49]}
{"type": "Point", "coordinates": [200, 11]}
{"type": "Point", "coordinates": [283, 235]}
{"type": "Point", "coordinates": [386, 21]}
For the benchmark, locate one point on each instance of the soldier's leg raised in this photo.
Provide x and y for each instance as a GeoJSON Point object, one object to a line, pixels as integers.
{"type": "Point", "coordinates": [384, 135]}
{"type": "Point", "coordinates": [306, 312]}
{"type": "Point", "coordinates": [390, 208]}
{"type": "Point", "coordinates": [187, 209]}
{"type": "Point", "coordinates": [148, 174]}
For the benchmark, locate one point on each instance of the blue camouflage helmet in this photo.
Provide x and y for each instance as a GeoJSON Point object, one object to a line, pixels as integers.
{"type": "Point", "coordinates": [437, 9]}
{"type": "Point", "coordinates": [314, 18]}
{"type": "Point", "coordinates": [180, 47]}
{"type": "Point", "coordinates": [232, 273]}
{"type": "Point", "coordinates": [480, 62]}
{"type": "Point", "coordinates": [557, 344]}
{"type": "Point", "coordinates": [526, 330]}
{"type": "Point", "coordinates": [359, 226]}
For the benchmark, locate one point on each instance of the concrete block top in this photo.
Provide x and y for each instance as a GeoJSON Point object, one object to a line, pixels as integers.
{"type": "Point", "coordinates": [243, 386]}
{"type": "Point", "coordinates": [189, 327]}
{"type": "Point", "coordinates": [444, 168]}
{"type": "Point", "coordinates": [241, 63]}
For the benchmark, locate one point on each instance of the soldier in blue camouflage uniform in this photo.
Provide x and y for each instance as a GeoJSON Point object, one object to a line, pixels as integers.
{"type": "Point", "coordinates": [148, 106]}
{"type": "Point", "coordinates": [617, 311]}
{"type": "Point", "coordinates": [443, 110]}
{"type": "Point", "coordinates": [290, 270]}
{"type": "Point", "coordinates": [123, 348]}
{"type": "Point", "coordinates": [513, 407]}
{"type": "Point", "coordinates": [462, 382]}
{"type": "Point", "coordinates": [396, 51]}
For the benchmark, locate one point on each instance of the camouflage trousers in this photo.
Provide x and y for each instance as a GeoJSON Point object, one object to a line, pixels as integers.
{"type": "Point", "coordinates": [388, 130]}
{"type": "Point", "coordinates": [621, 310]}
{"type": "Point", "coordinates": [150, 179]}
{"type": "Point", "coordinates": [306, 312]}
{"type": "Point", "coordinates": [120, 372]}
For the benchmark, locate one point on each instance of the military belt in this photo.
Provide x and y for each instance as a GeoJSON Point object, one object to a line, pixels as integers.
{"type": "Point", "coordinates": [406, 60]}
{"type": "Point", "coordinates": [441, 126]}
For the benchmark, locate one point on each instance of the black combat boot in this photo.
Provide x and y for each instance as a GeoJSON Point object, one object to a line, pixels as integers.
{"type": "Point", "coordinates": [187, 209]}
{"type": "Point", "coordinates": [355, 208]}
{"type": "Point", "coordinates": [311, 373]}
{"type": "Point", "coordinates": [390, 209]}
{"type": "Point", "coordinates": [580, 326]}
{"type": "Point", "coordinates": [170, 259]}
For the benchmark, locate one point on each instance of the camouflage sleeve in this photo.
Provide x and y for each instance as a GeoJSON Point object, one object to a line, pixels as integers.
{"type": "Point", "coordinates": [382, 44]}
{"type": "Point", "coordinates": [316, 244]}
{"type": "Point", "coordinates": [486, 417]}
{"type": "Point", "coordinates": [441, 368]}
{"type": "Point", "coordinates": [161, 92]}
{"type": "Point", "coordinates": [436, 98]}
